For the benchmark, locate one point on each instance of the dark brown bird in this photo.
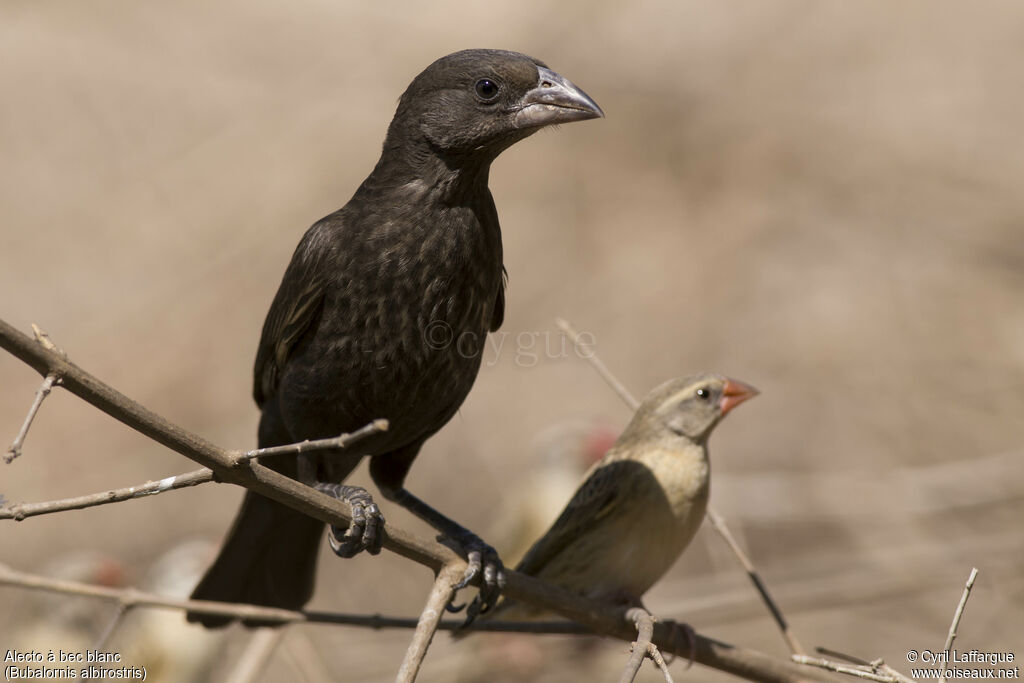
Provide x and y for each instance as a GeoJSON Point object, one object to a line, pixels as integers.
{"type": "Point", "coordinates": [640, 506]}
{"type": "Point", "coordinates": [383, 312]}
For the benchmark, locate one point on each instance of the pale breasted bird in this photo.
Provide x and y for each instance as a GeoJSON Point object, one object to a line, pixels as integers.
{"type": "Point", "coordinates": [559, 457]}
{"type": "Point", "coordinates": [641, 504]}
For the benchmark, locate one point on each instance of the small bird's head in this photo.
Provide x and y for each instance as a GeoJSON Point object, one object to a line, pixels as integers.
{"type": "Point", "coordinates": [691, 407]}
{"type": "Point", "coordinates": [476, 103]}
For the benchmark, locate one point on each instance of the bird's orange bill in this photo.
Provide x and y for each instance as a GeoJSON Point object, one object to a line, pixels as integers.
{"type": "Point", "coordinates": [734, 393]}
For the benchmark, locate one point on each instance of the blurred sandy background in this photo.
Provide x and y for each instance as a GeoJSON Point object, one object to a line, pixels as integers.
{"type": "Point", "coordinates": [822, 199]}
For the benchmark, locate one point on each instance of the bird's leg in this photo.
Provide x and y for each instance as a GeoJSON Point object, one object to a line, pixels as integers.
{"type": "Point", "coordinates": [481, 557]}
{"type": "Point", "coordinates": [364, 533]}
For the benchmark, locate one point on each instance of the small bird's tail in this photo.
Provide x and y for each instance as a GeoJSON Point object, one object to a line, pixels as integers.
{"type": "Point", "coordinates": [269, 558]}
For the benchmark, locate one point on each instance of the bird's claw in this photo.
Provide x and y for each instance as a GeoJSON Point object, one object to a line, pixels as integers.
{"type": "Point", "coordinates": [481, 559]}
{"type": "Point", "coordinates": [685, 630]}
{"type": "Point", "coordinates": [365, 532]}
{"type": "Point", "coordinates": [453, 608]}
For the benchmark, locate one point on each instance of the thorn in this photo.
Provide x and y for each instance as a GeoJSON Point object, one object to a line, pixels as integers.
{"type": "Point", "coordinates": [44, 339]}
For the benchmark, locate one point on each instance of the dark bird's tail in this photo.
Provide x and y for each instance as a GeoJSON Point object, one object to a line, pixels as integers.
{"type": "Point", "coordinates": [269, 558]}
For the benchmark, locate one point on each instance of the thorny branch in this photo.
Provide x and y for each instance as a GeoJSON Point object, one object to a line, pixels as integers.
{"type": "Point", "coordinates": [717, 522]}
{"type": "Point", "coordinates": [600, 618]}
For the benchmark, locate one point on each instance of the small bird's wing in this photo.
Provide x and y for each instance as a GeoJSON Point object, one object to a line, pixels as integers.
{"type": "Point", "coordinates": [498, 315]}
{"type": "Point", "coordinates": [295, 311]}
{"type": "Point", "coordinates": [593, 500]}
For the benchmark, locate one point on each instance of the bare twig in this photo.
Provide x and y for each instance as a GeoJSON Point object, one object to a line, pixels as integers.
{"type": "Point", "coordinates": [642, 646]}
{"type": "Point", "coordinates": [599, 618]}
{"type": "Point", "coordinates": [299, 652]}
{"type": "Point", "coordinates": [257, 653]}
{"type": "Point", "coordinates": [655, 654]}
{"type": "Point", "coordinates": [41, 393]}
{"type": "Point", "coordinates": [130, 597]}
{"type": "Point", "coordinates": [20, 511]}
{"type": "Point", "coordinates": [951, 636]}
{"type": "Point", "coordinates": [602, 369]}
{"type": "Point", "coordinates": [720, 526]}
{"type": "Point", "coordinates": [880, 666]}
{"type": "Point", "coordinates": [439, 596]}
{"type": "Point", "coordinates": [567, 628]}
{"type": "Point", "coordinates": [115, 620]}
{"type": "Point", "coordinates": [876, 670]}
{"type": "Point", "coordinates": [858, 671]}
{"type": "Point", "coordinates": [307, 446]}
{"type": "Point", "coordinates": [136, 598]}
{"type": "Point", "coordinates": [836, 654]}
{"type": "Point", "coordinates": [51, 379]}
{"type": "Point", "coordinates": [716, 520]}
{"type": "Point", "coordinates": [46, 342]}
{"type": "Point", "coordinates": [644, 632]}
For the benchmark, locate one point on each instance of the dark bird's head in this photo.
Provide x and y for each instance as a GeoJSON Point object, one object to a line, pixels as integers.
{"type": "Point", "coordinates": [690, 407]}
{"type": "Point", "coordinates": [471, 105]}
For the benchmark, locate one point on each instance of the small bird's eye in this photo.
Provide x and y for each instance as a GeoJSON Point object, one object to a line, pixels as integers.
{"type": "Point", "coordinates": [486, 89]}
{"type": "Point", "coordinates": [703, 393]}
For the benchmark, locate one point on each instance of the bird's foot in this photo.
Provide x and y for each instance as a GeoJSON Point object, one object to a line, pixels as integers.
{"type": "Point", "coordinates": [484, 559]}
{"type": "Point", "coordinates": [680, 629]}
{"type": "Point", "coordinates": [366, 532]}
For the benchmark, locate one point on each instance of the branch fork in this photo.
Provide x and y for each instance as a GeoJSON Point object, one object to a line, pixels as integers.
{"type": "Point", "coordinates": [642, 647]}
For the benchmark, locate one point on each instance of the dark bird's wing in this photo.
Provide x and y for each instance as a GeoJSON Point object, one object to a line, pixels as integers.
{"type": "Point", "coordinates": [595, 498]}
{"type": "Point", "coordinates": [498, 315]}
{"type": "Point", "coordinates": [294, 312]}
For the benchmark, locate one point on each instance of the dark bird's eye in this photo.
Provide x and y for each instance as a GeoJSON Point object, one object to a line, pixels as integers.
{"type": "Point", "coordinates": [486, 89]}
{"type": "Point", "coordinates": [703, 393]}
